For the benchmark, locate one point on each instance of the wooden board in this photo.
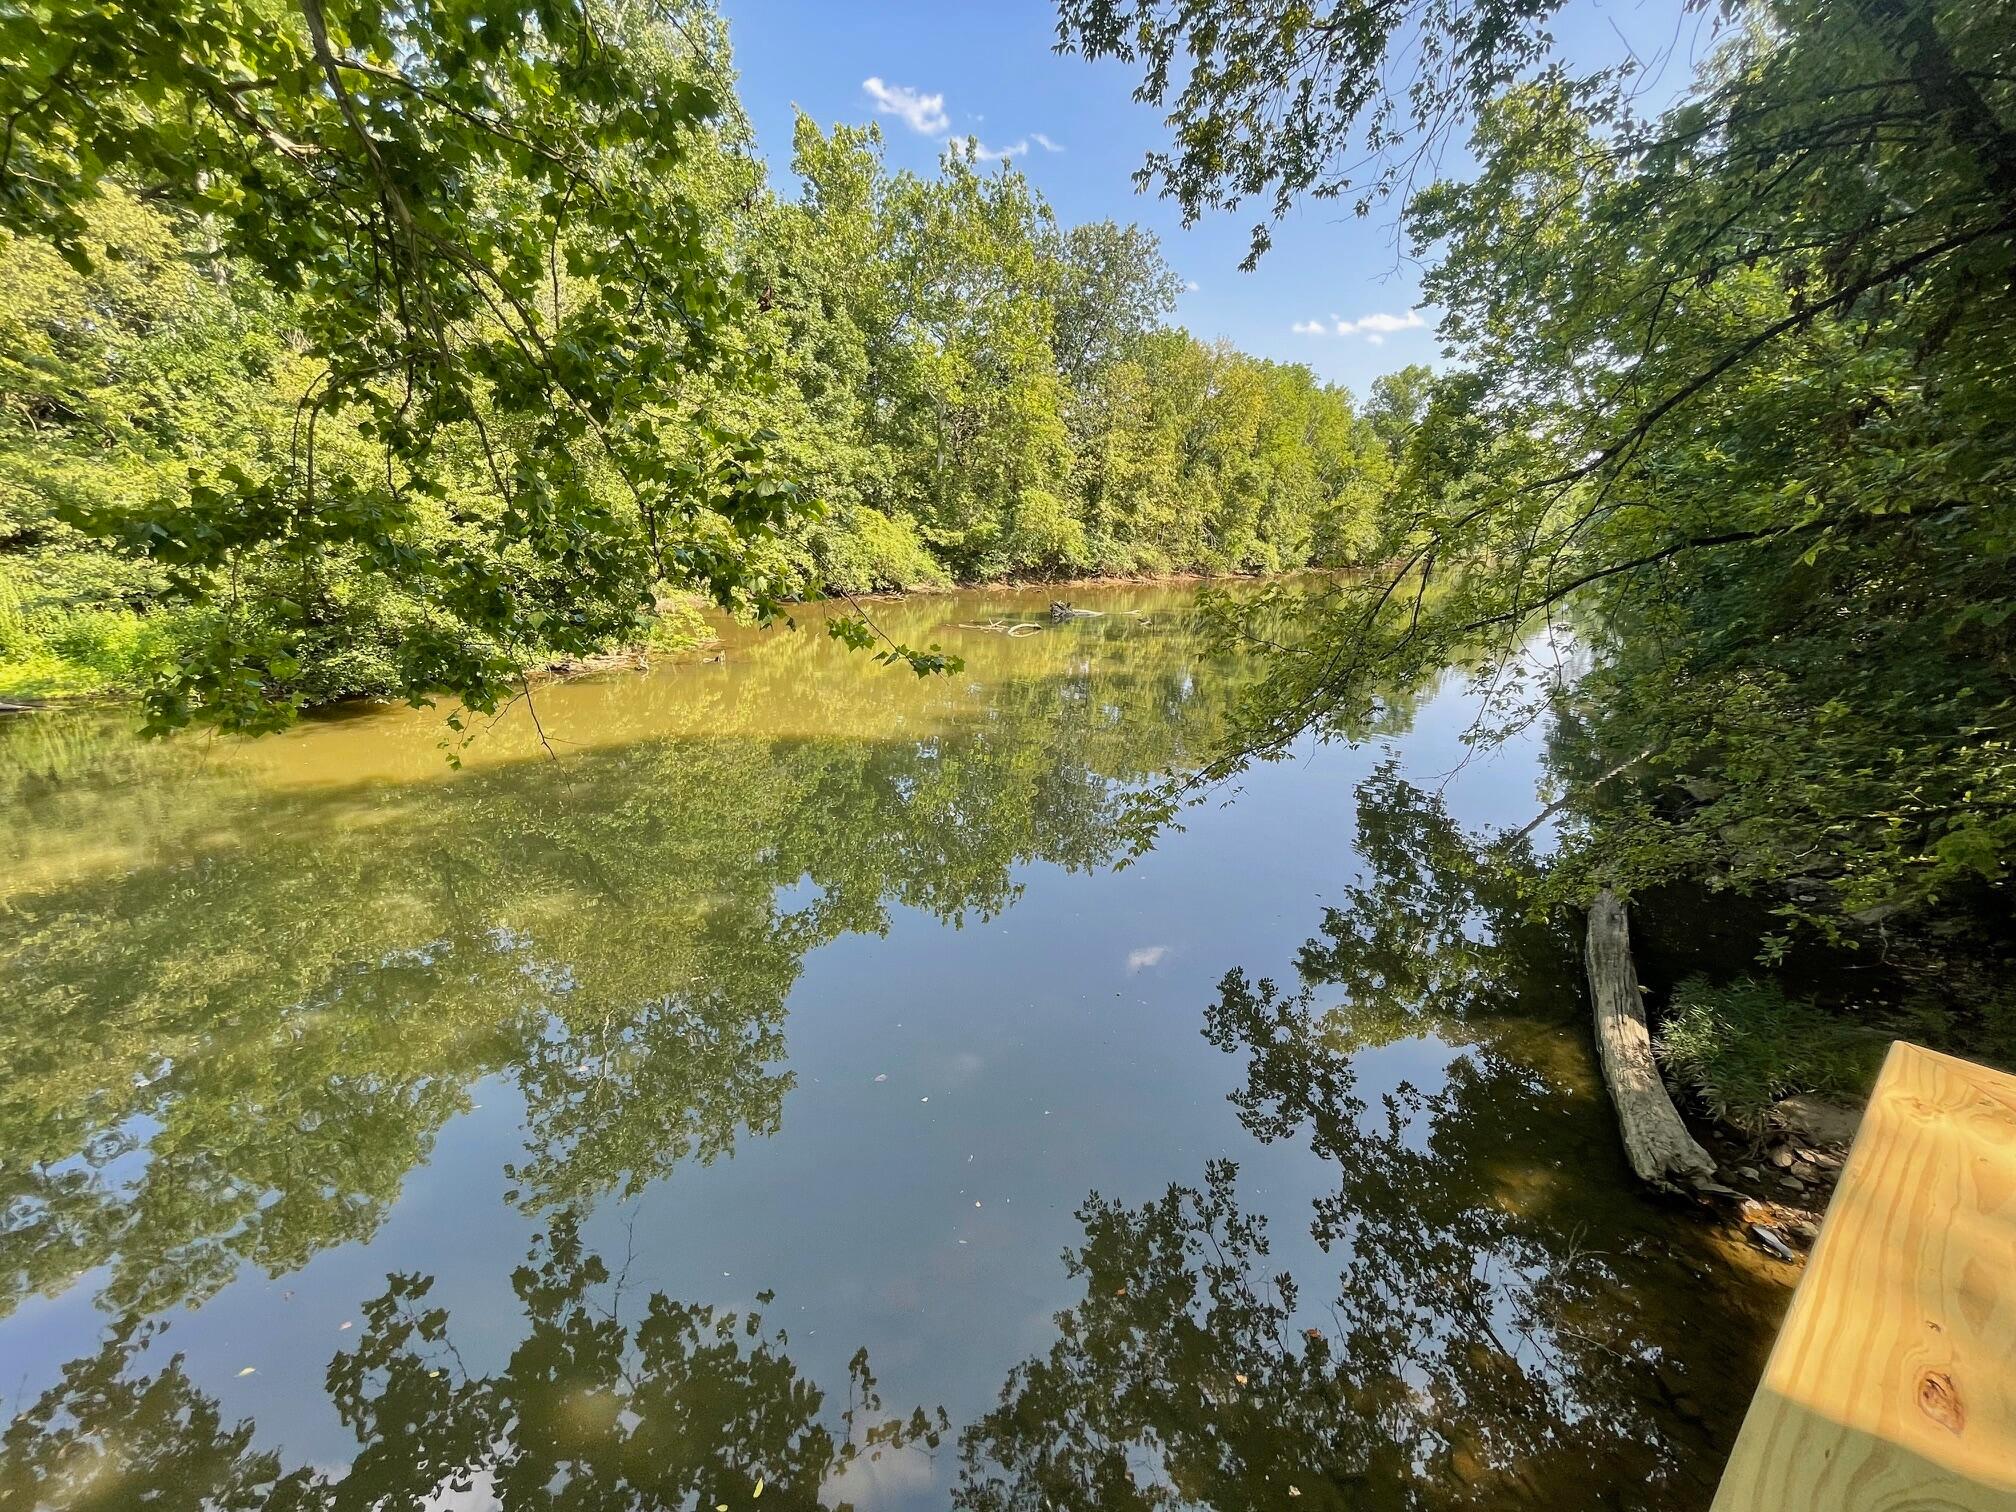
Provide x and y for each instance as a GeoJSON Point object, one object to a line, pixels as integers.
{"type": "Point", "coordinates": [1893, 1382]}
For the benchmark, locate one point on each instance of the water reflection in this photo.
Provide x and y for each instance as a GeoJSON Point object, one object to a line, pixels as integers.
{"type": "Point", "coordinates": [253, 991]}
{"type": "Point", "coordinates": [1499, 1332]}
{"type": "Point", "coordinates": [231, 1040]}
{"type": "Point", "coordinates": [684, 1405]}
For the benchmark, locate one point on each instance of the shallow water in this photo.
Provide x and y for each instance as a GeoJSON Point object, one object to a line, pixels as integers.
{"type": "Point", "coordinates": [778, 1084]}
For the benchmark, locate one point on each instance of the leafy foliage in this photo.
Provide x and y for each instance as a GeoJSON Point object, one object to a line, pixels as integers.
{"type": "Point", "coordinates": [352, 351]}
{"type": "Point", "coordinates": [1722, 482]}
{"type": "Point", "coordinates": [474, 215]}
{"type": "Point", "coordinates": [1743, 1046]}
{"type": "Point", "coordinates": [1266, 98]}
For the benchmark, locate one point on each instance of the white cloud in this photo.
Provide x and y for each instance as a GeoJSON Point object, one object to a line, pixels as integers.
{"type": "Point", "coordinates": [1146, 956]}
{"type": "Point", "coordinates": [1190, 286]}
{"type": "Point", "coordinates": [973, 149]}
{"type": "Point", "coordinates": [926, 115]}
{"type": "Point", "coordinates": [1375, 328]}
{"type": "Point", "coordinates": [920, 112]}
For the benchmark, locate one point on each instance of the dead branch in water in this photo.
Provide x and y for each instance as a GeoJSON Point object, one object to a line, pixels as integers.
{"type": "Point", "coordinates": [1012, 629]}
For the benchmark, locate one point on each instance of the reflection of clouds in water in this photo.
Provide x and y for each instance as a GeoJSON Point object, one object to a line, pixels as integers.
{"type": "Point", "coordinates": [880, 1480]}
{"type": "Point", "coordinates": [1146, 956]}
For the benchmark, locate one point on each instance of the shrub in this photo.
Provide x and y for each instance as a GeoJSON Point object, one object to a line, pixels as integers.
{"type": "Point", "coordinates": [1046, 534]}
{"type": "Point", "coordinates": [866, 551]}
{"type": "Point", "coordinates": [1743, 1046]}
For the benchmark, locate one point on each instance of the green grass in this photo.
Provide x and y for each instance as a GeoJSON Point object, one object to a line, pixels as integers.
{"type": "Point", "coordinates": [1741, 1047]}
{"type": "Point", "coordinates": [80, 653]}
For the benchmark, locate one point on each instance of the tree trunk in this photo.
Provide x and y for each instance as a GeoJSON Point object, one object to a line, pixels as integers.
{"type": "Point", "coordinates": [1909, 30]}
{"type": "Point", "coordinates": [1660, 1149]}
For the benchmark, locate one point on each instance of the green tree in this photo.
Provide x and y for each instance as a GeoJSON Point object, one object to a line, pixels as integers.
{"type": "Point", "coordinates": [471, 212]}
{"type": "Point", "coordinates": [278, 466]}
{"type": "Point", "coordinates": [1275, 99]}
{"type": "Point", "coordinates": [1731, 417]}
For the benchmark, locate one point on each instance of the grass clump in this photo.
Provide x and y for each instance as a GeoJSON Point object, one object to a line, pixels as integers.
{"type": "Point", "coordinates": [1742, 1046]}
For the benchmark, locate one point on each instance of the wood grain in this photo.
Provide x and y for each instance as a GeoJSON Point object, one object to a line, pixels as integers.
{"type": "Point", "coordinates": [1893, 1382]}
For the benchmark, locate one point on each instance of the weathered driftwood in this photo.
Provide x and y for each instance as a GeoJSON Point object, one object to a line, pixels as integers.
{"type": "Point", "coordinates": [1063, 611]}
{"type": "Point", "coordinates": [1660, 1149]}
{"type": "Point", "coordinates": [1014, 630]}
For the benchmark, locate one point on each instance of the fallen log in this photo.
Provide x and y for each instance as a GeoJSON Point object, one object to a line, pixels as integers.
{"type": "Point", "coordinates": [1657, 1143]}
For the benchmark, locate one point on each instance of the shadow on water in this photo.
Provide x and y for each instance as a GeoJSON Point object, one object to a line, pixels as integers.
{"type": "Point", "coordinates": [249, 989]}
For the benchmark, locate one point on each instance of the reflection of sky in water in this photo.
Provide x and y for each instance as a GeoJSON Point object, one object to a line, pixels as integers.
{"type": "Point", "coordinates": [953, 1074]}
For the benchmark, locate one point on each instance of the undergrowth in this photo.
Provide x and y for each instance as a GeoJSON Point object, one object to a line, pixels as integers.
{"type": "Point", "coordinates": [1742, 1046]}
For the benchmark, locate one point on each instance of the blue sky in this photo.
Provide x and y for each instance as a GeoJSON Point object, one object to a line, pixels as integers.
{"type": "Point", "coordinates": [929, 71]}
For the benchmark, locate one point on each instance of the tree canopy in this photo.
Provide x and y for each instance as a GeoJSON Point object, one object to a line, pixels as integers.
{"type": "Point", "coordinates": [1718, 474]}
{"type": "Point", "coordinates": [474, 217]}
{"type": "Point", "coordinates": [396, 352]}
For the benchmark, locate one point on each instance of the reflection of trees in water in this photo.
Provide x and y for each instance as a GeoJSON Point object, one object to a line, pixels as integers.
{"type": "Point", "coordinates": [1499, 1333]}
{"type": "Point", "coordinates": [237, 1051]}
{"type": "Point", "coordinates": [689, 1405]}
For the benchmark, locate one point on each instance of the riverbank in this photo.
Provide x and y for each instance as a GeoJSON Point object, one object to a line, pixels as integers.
{"type": "Point", "coordinates": [113, 667]}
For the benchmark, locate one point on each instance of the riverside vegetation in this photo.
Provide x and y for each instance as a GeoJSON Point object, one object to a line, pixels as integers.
{"type": "Point", "coordinates": [563, 1131]}
{"type": "Point", "coordinates": [224, 488]}
{"type": "Point", "coordinates": [1730, 406]}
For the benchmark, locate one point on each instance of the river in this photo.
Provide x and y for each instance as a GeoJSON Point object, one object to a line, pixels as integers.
{"type": "Point", "coordinates": [772, 1090]}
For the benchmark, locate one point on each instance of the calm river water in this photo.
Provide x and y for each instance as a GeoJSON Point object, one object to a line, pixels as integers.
{"type": "Point", "coordinates": [780, 1095]}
